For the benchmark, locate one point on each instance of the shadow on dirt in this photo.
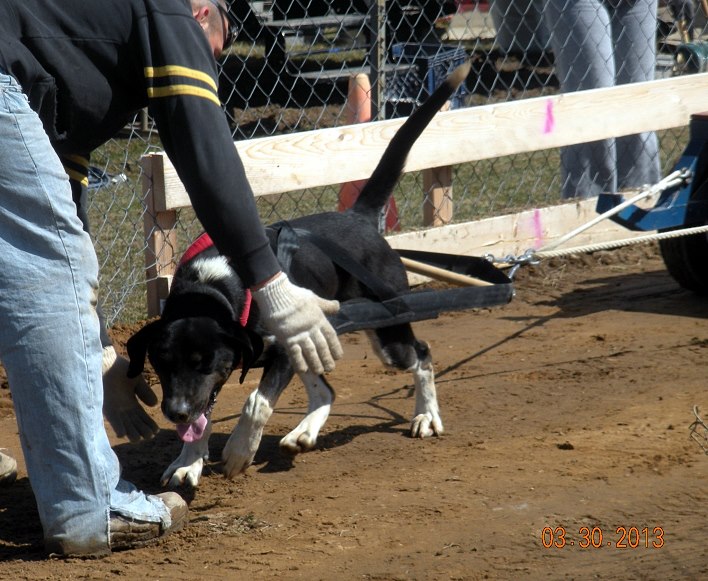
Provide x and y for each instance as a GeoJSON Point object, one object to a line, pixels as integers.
{"type": "Point", "coordinates": [20, 530]}
{"type": "Point", "coordinates": [652, 292]}
{"type": "Point", "coordinates": [144, 462]}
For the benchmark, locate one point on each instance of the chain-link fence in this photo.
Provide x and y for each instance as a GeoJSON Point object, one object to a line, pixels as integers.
{"type": "Point", "coordinates": [290, 71]}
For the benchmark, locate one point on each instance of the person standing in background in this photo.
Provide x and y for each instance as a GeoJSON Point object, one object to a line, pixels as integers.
{"type": "Point", "coordinates": [604, 43]}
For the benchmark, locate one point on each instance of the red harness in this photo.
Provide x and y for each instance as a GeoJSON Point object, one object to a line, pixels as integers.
{"type": "Point", "coordinates": [200, 245]}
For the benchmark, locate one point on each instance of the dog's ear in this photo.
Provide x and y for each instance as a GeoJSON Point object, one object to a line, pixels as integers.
{"type": "Point", "coordinates": [249, 344]}
{"type": "Point", "coordinates": [137, 347]}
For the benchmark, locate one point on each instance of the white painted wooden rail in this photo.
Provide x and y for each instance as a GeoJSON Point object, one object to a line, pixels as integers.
{"type": "Point", "coordinates": [331, 156]}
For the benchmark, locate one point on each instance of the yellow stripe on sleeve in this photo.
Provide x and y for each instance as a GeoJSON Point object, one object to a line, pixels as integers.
{"type": "Point", "coordinates": [172, 90]}
{"type": "Point", "coordinates": [178, 71]}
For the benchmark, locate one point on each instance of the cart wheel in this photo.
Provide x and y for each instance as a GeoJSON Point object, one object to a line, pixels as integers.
{"type": "Point", "coordinates": [686, 259]}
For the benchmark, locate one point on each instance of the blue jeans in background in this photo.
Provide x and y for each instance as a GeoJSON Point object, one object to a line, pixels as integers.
{"type": "Point", "coordinates": [604, 43]}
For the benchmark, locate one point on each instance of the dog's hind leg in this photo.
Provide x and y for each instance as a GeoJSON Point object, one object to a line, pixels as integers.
{"type": "Point", "coordinates": [397, 347]}
{"type": "Point", "coordinates": [320, 396]}
{"type": "Point", "coordinates": [187, 468]}
{"type": "Point", "coordinates": [242, 445]}
{"type": "Point", "coordinates": [426, 421]}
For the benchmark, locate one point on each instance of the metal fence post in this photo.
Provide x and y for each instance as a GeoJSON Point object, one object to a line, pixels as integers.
{"type": "Point", "coordinates": [377, 58]}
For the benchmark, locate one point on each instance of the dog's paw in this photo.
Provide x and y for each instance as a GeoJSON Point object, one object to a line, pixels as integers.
{"type": "Point", "coordinates": [178, 475]}
{"type": "Point", "coordinates": [304, 436]}
{"type": "Point", "coordinates": [297, 442]}
{"type": "Point", "coordinates": [240, 449]}
{"type": "Point", "coordinates": [426, 425]}
{"type": "Point", "coordinates": [242, 445]}
{"type": "Point", "coordinates": [187, 468]}
{"type": "Point", "coordinates": [236, 462]}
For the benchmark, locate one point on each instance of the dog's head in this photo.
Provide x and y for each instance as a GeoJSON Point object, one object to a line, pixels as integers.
{"type": "Point", "coordinates": [193, 349]}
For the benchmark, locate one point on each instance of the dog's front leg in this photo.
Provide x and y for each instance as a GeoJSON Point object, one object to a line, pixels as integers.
{"type": "Point", "coordinates": [187, 468]}
{"type": "Point", "coordinates": [243, 443]}
{"type": "Point", "coordinates": [320, 396]}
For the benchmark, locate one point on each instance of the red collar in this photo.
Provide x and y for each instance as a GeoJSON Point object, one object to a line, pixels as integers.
{"type": "Point", "coordinates": [200, 245]}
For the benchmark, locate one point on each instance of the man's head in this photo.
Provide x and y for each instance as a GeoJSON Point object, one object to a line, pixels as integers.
{"type": "Point", "coordinates": [218, 23]}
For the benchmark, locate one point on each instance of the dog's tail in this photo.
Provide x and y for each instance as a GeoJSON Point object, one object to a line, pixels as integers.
{"type": "Point", "coordinates": [378, 188]}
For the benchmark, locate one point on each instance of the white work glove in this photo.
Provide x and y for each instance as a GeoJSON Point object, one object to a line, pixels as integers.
{"type": "Point", "coordinates": [296, 317]}
{"type": "Point", "coordinates": [120, 399]}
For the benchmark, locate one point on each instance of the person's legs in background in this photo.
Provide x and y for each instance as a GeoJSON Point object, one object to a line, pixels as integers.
{"type": "Point", "coordinates": [584, 59]}
{"type": "Point", "coordinates": [634, 28]}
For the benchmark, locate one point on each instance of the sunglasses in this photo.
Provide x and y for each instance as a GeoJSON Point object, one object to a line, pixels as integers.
{"type": "Point", "coordinates": [231, 31]}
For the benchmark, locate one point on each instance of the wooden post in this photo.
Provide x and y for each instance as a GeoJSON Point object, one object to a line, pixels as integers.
{"type": "Point", "coordinates": [437, 206]}
{"type": "Point", "coordinates": [159, 226]}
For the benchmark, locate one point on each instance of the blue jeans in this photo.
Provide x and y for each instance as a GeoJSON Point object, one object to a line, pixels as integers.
{"type": "Point", "coordinates": [49, 342]}
{"type": "Point", "coordinates": [603, 43]}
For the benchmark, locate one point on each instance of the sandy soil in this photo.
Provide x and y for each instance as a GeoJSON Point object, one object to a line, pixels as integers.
{"type": "Point", "coordinates": [566, 410]}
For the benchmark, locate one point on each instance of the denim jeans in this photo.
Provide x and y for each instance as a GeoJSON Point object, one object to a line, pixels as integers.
{"type": "Point", "coordinates": [49, 342]}
{"type": "Point", "coordinates": [603, 43]}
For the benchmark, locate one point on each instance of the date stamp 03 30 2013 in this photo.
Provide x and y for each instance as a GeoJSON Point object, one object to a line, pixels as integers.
{"type": "Point", "coordinates": [594, 538]}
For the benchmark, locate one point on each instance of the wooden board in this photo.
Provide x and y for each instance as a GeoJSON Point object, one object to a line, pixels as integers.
{"type": "Point", "coordinates": [515, 233]}
{"type": "Point", "coordinates": [499, 236]}
{"type": "Point", "coordinates": [330, 156]}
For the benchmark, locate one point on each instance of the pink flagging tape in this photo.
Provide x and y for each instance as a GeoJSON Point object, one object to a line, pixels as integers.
{"type": "Point", "coordinates": [550, 121]}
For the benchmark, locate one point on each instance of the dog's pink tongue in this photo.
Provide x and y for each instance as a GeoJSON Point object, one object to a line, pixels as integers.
{"type": "Point", "coordinates": [194, 431]}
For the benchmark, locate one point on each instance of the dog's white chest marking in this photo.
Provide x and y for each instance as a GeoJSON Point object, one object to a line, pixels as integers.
{"type": "Point", "coordinates": [211, 269]}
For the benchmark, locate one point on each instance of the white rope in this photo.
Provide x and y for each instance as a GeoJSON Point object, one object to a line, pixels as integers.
{"type": "Point", "coordinates": [676, 178]}
{"type": "Point", "coordinates": [531, 256]}
{"type": "Point", "coordinates": [619, 243]}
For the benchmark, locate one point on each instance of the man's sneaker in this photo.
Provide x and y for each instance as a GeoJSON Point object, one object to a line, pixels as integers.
{"type": "Point", "coordinates": [8, 469]}
{"type": "Point", "coordinates": [127, 533]}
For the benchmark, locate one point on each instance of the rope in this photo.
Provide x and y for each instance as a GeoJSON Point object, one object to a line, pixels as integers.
{"type": "Point", "coordinates": [619, 243]}
{"type": "Point", "coordinates": [531, 256]}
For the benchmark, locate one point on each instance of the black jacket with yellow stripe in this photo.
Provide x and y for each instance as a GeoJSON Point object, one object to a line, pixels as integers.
{"type": "Point", "coordinates": [87, 66]}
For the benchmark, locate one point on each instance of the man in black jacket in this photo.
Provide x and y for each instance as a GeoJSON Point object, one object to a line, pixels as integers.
{"type": "Point", "coordinates": [73, 73]}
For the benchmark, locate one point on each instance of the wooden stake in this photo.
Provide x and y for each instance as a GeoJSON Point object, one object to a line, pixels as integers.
{"type": "Point", "coordinates": [442, 274]}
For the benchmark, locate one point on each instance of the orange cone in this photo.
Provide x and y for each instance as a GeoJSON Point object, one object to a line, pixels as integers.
{"type": "Point", "coordinates": [358, 110]}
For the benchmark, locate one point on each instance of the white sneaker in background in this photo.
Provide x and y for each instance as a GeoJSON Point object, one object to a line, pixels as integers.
{"type": "Point", "coordinates": [8, 469]}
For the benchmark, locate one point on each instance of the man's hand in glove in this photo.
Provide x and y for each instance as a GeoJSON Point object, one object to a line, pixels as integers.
{"type": "Point", "coordinates": [296, 317]}
{"type": "Point", "coordinates": [120, 399]}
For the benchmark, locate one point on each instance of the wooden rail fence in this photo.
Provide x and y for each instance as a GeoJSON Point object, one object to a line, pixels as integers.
{"type": "Point", "coordinates": [294, 162]}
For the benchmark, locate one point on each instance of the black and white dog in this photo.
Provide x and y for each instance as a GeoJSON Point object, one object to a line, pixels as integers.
{"type": "Point", "coordinates": [203, 333]}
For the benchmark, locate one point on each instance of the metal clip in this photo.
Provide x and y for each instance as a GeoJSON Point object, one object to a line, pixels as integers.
{"type": "Point", "coordinates": [528, 257]}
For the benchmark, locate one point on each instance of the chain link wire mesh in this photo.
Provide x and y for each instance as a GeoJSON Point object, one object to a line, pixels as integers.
{"type": "Point", "coordinates": [289, 72]}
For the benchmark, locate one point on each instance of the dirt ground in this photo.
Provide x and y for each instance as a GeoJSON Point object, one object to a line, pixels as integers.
{"type": "Point", "coordinates": [566, 410]}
